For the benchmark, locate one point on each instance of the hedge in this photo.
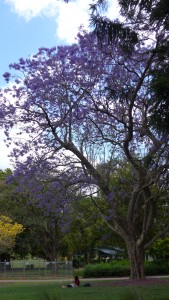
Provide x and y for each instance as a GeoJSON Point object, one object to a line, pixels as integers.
{"type": "Point", "coordinates": [122, 268]}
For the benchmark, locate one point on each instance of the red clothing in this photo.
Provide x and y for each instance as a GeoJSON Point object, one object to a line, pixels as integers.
{"type": "Point", "coordinates": [77, 282]}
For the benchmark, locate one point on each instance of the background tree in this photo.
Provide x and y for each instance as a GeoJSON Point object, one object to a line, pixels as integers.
{"type": "Point", "coordinates": [81, 105]}
{"type": "Point", "coordinates": [87, 230]}
{"type": "Point", "coordinates": [8, 232]}
{"type": "Point", "coordinates": [159, 251]}
{"type": "Point", "coordinates": [41, 236]}
{"type": "Point", "coordinates": [140, 17]}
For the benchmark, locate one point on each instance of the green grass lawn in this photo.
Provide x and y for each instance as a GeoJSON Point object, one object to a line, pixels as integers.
{"type": "Point", "coordinates": [53, 291]}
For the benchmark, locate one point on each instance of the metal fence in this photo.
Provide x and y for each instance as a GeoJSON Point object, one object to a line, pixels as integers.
{"type": "Point", "coordinates": [35, 269]}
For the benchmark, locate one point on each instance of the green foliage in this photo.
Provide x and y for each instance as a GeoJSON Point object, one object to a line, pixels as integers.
{"type": "Point", "coordinates": [114, 268]}
{"type": "Point", "coordinates": [4, 174]}
{"type": "Point", "coordinates": [160, 88]}
{"type": "Point", "coordinates": [154, 14]}
{"type": "Point", "coordinates": [156, 11]}
{"type": "Point", "coordinates": [160, 13]}
{"type": "Point", "coordinates": [87, 231]}
{"type": "Point", "coordinates": [160, 250]}
{"type": "Point", "coordinates": [122, 268]}
{"type": "Point", "coordinates": [40, 238]}
{"type": "Point", "coordinates": [154, 268]}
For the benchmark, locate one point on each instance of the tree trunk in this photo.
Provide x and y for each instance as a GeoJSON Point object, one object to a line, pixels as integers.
{"type": "Point", "coordinates": [136, 257]}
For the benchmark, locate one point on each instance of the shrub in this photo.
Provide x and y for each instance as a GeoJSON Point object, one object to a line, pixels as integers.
{"type": "Point", "coordinates": [154, 268]}
{"type": "Point", "coordinates": [114, 268]}
{"type": "Point", "coordinates": [122, 268]}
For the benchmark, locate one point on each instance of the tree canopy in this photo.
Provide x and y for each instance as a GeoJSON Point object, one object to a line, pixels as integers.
{"type": "Point", "coordinates": [139, 18]}
{"type": "Point", "coordinates": [8, 233]}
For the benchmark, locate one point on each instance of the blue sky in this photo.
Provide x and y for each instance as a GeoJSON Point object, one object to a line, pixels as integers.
{"type": "Point", "coordinates": [20, 38]}
{"type": "Point", "coordinates": [26, 25]}
{"type": "Point", "coordinates": [22, 33]}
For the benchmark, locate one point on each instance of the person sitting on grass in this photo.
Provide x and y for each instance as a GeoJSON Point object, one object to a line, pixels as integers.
{"type": "Point", "coordinates": [76, 283]}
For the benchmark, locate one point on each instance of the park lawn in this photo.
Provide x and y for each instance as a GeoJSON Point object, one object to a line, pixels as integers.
{"type": "Point", "coordinates": [53, 291]}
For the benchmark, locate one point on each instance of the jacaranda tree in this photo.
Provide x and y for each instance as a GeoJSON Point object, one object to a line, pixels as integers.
{"type": "Point", "coordinates": [78, 106]}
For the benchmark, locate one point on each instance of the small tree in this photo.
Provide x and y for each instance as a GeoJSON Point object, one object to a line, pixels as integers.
{"type": "Point", "coordinates": [159, 251]}
{"type": "Point", "coordinates": [8, 233]}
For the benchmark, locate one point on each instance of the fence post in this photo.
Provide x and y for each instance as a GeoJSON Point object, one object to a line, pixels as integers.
{"type": "Point", "coordinates": [4, 268]}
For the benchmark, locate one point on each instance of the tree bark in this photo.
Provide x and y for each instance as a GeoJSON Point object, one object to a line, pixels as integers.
{"type": "Point", "coordinates": [136, 257]}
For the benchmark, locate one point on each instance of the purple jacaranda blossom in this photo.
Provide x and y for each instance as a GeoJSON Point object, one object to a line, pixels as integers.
{"type": "Point", "coordinates": [7, 76]}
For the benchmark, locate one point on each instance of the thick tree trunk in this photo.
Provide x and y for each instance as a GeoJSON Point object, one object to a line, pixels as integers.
{"type": "Point", "coordinates": [136, 257]}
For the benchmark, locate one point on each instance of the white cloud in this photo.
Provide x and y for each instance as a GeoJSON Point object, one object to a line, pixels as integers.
{"type": "Point", "coordinates": [113, 11]}
{"type": "Point", "coordinates": [29, 9]}
{"type": "Point", "coordinates": [68, 16]}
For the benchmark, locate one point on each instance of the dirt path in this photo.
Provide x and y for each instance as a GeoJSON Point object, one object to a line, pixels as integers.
{"type": "Point", "coordinates": [125, 281]}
